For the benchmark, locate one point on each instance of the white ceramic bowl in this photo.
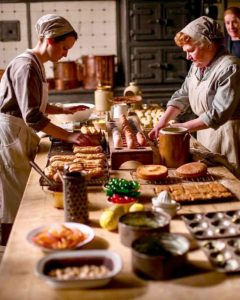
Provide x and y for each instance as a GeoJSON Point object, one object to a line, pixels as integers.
{"type": "Point", "coordinates": [78, 116]}
{"type": "Point", "coordinates": [109, 259]}
{"type": "Point", "coordinates": [88, 231]}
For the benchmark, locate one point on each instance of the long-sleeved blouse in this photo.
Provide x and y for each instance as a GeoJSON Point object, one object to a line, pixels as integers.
{"type": "Point", "coordinates": [21, 91]}
{"type": "Point", "coordinates": [221, 82]}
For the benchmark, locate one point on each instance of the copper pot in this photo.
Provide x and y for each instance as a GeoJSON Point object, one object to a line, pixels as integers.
{"type": "Point", "coordinates": [65, 84]}
{"type": "Point", "coordinates": [65, 74]}
{"type": "Point", "coordinates": [65, 70]}
{"type": "Point", "coordinates": [98, 69]}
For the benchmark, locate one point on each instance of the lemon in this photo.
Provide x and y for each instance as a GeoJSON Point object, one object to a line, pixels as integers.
{"type": "Point", "coordinates": [136, 207]}
{"type": "Point", "coordinates": [118, 210]}
{"type": "Point", "coordinates": [109, 220]}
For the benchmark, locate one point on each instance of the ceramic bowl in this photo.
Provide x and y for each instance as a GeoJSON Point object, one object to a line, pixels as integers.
{"type": "Point", "coordinates": [133, 225]}
{"type": "Point", "coordinates": [159, 256]}
{"type": "Point", "coordinates": [78, 116]}
{"type": "Point", "coordinates": [50, 236]}
{"type": "Point", "coordinates": [62, 260]}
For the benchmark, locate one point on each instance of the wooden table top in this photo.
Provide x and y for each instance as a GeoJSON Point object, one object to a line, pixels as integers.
{"type": "Point", "coordinates": [18, 281]}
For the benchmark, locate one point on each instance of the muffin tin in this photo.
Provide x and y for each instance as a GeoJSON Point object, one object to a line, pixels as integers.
{"type": "Point", "coordinates": [218, 234]}
{"type": "Point", "coordinates": [213, 225]}
{"type": "Point", "coordinates": [223, 254]}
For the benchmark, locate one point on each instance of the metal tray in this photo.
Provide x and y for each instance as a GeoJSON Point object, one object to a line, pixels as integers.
{"type": "Point", "coordinates": [213, 225]}
{"type": "Point", "coordinates": [63, 148]}
{"type": "Point", "coordinates": [223, 254]}
{"type": "Point", "coordinates": [172, 178]}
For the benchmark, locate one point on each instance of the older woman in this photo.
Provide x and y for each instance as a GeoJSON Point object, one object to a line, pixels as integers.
{"type": "Point", "coordinates": [23, 109]}
{"type": "Point", "coordinates": [211, 89]}
{"type": "Point", "coordinates": [232, 24]}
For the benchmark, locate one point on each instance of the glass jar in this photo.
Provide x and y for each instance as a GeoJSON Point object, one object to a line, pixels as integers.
{"type": "Point", "coordinates": [102, 95]}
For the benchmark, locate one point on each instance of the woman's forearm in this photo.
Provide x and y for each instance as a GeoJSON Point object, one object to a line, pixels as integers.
{"type": "Point", "coordinates": [170, 114]}
{"type": "Point", "coordinates": [56, 132]}
{"type": "Point", "coordinates": [192, 125]}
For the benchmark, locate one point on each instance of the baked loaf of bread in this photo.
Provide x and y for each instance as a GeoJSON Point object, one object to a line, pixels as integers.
{"type": "Point", "coordinates": [151, 172]}
{"type": "Point", "coordinates": [192, 170]}
{"type": "Point", "coordinates": [191, 192]}
{"type": "Point", "coordinates": [87, 149]}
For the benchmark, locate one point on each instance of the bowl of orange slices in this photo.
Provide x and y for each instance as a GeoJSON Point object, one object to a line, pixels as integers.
{"type": "Point", "coordinates": [60, 236]}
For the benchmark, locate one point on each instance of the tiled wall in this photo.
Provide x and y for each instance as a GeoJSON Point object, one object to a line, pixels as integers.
{"type": "Point", "coordinates": [95, 22]}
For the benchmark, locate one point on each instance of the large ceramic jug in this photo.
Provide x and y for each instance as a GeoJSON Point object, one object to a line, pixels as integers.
{"type": "Point", "coordinates": [174, 147]}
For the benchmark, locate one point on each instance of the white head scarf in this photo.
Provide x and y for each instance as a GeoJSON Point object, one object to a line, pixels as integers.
{"type": "Point", "coordinates": [51, 26]}
{"type": "Point", "coordinates": [203, 29]}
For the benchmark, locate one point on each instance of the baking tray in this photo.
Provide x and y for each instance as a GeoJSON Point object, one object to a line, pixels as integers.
{"type": "Point", "coordinates": [118, 156]}
{"type": "Point", "coordinates": [59, 147]}
{"type": "Point", "coordinates": [172, 178]}
{"type": "Point", "coordinates": [213, 225]}
{"type": "Point", "coordinates": [197, 192]}
{"type": "Point", "coordinates": [223, 254]}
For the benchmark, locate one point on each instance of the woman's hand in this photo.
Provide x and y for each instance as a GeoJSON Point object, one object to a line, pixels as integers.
{"type": "Point", "coordinates": [154, 133]}
{"type": "Point", "coordinates": [81, 139]}
{"type": "Point", "coordinates": [170, 114]}
{"type": "Point", "coordinates": [73, 109]}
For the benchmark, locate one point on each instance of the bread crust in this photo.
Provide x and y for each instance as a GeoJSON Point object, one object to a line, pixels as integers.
{"type": "Point", "coordinates": [87, 149]}
{"type": "Point", "coordinates": [192, 170]}
{"type": "Point", "coordinates": [152, 172]}
{"type": "Point", "coordinates": [191, 192]}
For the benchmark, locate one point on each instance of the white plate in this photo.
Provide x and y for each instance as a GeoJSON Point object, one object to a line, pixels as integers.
{"type": "Point", "coordinates": [82, 227]}
{"type": "Point", "coordinates": [78, 258]}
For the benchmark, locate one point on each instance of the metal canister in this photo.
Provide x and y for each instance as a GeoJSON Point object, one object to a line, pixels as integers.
{"type": "Point", "coordinates": [102, 95]}
{"type": "Point", "coordinates": [75, 197]}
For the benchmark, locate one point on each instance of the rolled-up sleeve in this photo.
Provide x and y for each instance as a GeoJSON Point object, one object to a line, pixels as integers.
{"type": "Point", "coordinates": [180, 98]}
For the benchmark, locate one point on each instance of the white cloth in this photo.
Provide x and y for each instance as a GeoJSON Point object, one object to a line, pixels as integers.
{"type": "Point", "coordinates": [225, 139]}
{"type": "Point", "coordinates": [203, 29]}
{"type": "Point", "coordinates": [18, 144]}
{"type": "Point", "coordinates": [51, 26]}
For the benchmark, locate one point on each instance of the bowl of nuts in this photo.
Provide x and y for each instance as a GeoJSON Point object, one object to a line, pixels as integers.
{"type": "Point", "coordinates": [79, 269]}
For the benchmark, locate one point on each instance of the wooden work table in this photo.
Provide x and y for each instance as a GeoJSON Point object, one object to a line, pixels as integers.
{"type": "Point", "coordinates": [18, 281]}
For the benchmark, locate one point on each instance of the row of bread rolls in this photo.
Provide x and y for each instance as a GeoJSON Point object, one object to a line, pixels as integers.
{"type": "Point", "coordinates": [117, 138]}
{"type": "Point", "coordinates": [90, 159]}
{"type": "Point", "coordinates": [132, 139]}
{"type": "Point", "coordinates": [88, 129]}
{"type": "Point", "coordinates": [128, 132]}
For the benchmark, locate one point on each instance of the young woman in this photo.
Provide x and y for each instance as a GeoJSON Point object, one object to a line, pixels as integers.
{"type": "Point", "coordinates": [24, 109]}
{"type": "Point", "coordinates": [211, 89]}
{"type": "Point", "coordinates": [232, 24]}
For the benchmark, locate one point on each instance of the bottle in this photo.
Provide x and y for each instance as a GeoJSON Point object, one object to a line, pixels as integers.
{"type": "Point", "coordinates": [102, 95]}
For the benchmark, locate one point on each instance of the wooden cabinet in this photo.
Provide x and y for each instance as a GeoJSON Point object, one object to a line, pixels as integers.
{"type": "Point", "coordinates": [150, 56]}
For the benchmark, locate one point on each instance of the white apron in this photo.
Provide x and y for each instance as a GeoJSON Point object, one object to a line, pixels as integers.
{"type": "Point", "coordinates": [18, 144]}
{"type": "Point", "coordinates": [226, 139]}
